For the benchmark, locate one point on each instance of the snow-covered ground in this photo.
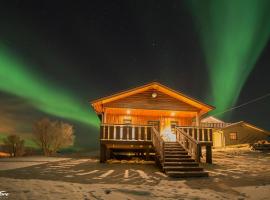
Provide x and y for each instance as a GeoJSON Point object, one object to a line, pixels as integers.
{"type": "Point", "coordinates": [20, 162]}
{"type": "Point", "coordinates": [235, 174]}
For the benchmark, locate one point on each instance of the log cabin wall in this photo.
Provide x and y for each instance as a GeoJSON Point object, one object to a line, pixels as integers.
{"type": "Point", "coordinates": [164, 121]}
{"type": "Point", "coordinates": [143, 120]}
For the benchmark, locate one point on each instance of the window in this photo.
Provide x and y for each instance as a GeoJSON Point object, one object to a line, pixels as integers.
{"type": "Point", "coordinates": [127, 121]}
{"type": "Point", "coordinates": [233, 136]}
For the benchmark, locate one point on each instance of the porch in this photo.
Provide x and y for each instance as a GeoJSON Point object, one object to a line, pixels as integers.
{"type": "Point", "coordinates": [146, 139]}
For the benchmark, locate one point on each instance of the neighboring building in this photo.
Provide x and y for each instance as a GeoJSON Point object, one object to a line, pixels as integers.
{"type": "Point", "coordinates": [225, 134]}
{"type": "Point", "coordinates": [155, 118]}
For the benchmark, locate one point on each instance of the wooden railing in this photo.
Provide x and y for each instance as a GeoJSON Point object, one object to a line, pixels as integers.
{"type": "Point", "coordinates": [189, 144]}
{"type": "Point", "coordinates": [125, 132]}
{"type": "Point", "coordinates": [158, 144]}
{"type": "Point", "coordinates": [198, 133]}
{"type": "Point", "coordinates": [131, 132]}
{"type": "Point", "coordinates": [213, 125]}
{"type": "Point", "coordinates": [193, 139]}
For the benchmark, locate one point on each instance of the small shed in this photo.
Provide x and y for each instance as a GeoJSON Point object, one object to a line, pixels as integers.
{"type": "Point", "coordinates": [242, 133]}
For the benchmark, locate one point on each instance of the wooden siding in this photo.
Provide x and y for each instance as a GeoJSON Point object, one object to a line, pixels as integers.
{"type": "Point", "coordinates": [143, 120]}
{"type": "Point", "coordinates": [244, 135]}
{"type": "Point", "coordinates": [144, 100]}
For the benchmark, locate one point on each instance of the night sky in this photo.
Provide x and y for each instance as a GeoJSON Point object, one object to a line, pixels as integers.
{"type": "Point", "coordinates": [83, 50]}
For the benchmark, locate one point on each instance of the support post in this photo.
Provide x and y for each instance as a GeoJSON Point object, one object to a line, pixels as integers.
{"type": "Point", "coordinates": [197, 119]}
{"type": "Point", "coordinates": [102, 153]}
{"type": "Point", "coordinates": [209, 154]}
{"type": "Point", "coordinates": [198, 153]}
{"type": "Point", "coordinates": [108, 154]}
{"type": "Point", "coordinates": [147, 153]}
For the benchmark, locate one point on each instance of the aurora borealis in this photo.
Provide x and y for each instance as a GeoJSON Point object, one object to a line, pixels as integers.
{"type": "Point", "coordinates": [15, 79]}
{"type": "Point", "coordinates": [56, 57]}
{"type": "Point", "coordinates": [233, 35]}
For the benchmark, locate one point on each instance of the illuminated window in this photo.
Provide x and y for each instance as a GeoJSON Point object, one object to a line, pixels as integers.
{"type": "Point", "coordinates": [127, 121]}
{"type": "Point", "coordinates": [233, 136]}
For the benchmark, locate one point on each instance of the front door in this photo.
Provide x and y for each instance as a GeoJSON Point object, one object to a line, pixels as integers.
{"type": "Point", "coordinates": [173, 125]}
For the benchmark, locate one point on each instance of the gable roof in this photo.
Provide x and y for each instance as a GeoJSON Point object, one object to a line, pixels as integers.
{"type": "Point", "coordinates": [211, 119]}
{"type": "Point", "coordinates": [246, 124]}
{"type": "Point", "coordinates": [97, 104]}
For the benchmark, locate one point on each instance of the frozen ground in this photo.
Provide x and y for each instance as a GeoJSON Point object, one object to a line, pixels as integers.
{"type": "Point", "coordinates": [235, 174]}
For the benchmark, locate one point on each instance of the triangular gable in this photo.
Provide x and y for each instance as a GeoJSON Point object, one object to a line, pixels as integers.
{"type": "Point", "coordinates": [211, 119]}
{"type": "Point", "coordinates": [204, 108]}
{"type": "Point", "coordinates": [144, 100]}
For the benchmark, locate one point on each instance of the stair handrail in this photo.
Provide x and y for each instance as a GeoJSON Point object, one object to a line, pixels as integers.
{"type": "Point", "coordinates": [158, 144]}
{"type": "Point", "coordinates": [192, 146]}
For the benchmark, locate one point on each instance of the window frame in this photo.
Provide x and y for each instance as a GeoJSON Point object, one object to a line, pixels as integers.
{"type": "Point", "coordinates": [127, 121]}
{"type": "Point", "coordinates": [233, 136]}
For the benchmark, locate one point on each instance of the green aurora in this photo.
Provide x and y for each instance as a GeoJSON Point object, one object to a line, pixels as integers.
{"type": "Point", "coordinates": [233, 34]}
{"type": "Point", "coordinates": [16, 79]}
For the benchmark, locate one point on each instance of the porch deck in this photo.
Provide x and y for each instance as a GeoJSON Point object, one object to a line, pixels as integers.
{"type": "Point", "coordinates": [145, 138]}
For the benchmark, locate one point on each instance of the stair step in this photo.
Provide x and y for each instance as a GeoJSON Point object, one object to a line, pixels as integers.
{"type": "Point", "coordinates": [187, 174]}
{"type": "Point", "coordinates": [179, 159]}
{"type": "Point", "coordinates": [179, 153]}
{"type": "Point", "coordinates": [173, 149]}
{"type": "Point", "coordinates": [182, 168]}
{"type": "Point", "coordinates": [171, 143]}
{"type": "Point", "coordinates": [174, 152]}
{"type": "Point", "coordinates": [177, 156]}
{"type": "Point", "coordinates": [172, 146]}
{"type": "Point", "coordinates": [173, 163]}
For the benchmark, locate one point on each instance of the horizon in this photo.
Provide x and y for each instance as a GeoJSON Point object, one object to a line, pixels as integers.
{"type": "Point", "coordinates": [53, 63]}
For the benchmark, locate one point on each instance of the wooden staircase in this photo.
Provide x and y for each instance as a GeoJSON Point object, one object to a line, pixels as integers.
{"type": "Point", "coordinates": [182, 157]}
{"type": "Point", "coordinates": [177, 162]}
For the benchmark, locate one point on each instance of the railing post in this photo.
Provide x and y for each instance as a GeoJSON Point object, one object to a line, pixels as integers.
{"type": "Point", "coordinates": [208, 134]}
{"type": "Point", "coordinates": [152, 135]}
{"type": "Point", "coordinates": [133, 132]}
{"type": "Point", "coordinates": [114, 132]}
{"type": "Point", "coordinates": [203, 134]}
{"type": "Point", "coordinates": [109, 132]}
{"type": "Point", "coordinates": [140, 133]}
{"type": "Point", "coordinates": [127, 132]}
{"type": "Point", "coordinates": [121, 132]}
{"type": "Point", "coordinates": [103, 134]}
{"type": "Point", "coordinates": [145, 133]}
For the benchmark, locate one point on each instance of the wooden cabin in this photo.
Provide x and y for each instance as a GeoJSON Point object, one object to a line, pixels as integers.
{"type": "Point", "coordinates": [154, 118]}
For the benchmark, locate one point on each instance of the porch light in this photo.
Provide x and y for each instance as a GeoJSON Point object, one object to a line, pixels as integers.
{"type": "Point", "coordinates": [154, 95]}
{"type": "Point", "coordinates": [173, 114]}
{"type": "Point", "coordinates": [128, 112]}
